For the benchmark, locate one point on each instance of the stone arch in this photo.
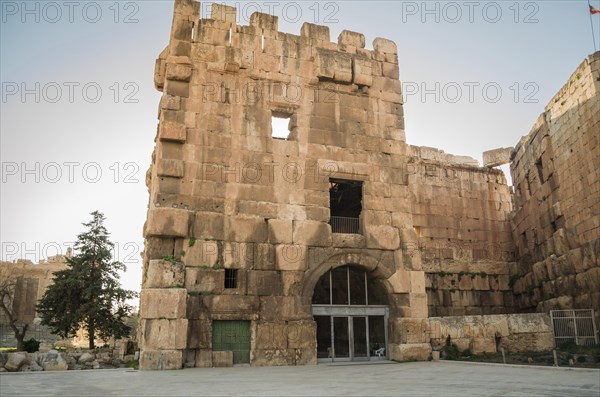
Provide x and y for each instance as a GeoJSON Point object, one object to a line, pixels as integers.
{"type": "Point", "coordinates": [366, 262]}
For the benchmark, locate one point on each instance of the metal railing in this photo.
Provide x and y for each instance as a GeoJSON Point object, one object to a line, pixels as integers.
{"type": "Point", "coordinates": [574, 326]}
{"type": "Point", "coordinates": [342, 224]}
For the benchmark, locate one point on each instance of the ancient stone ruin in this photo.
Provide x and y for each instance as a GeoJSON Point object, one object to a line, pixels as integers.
{"type": "Point", "coordinates": [31, 281]}
{"type": "Point", "coordinates": [332, 238]}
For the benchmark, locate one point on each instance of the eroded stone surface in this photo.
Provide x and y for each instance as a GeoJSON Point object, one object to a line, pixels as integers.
{"type": "Point", "coordinates": [226, 197]}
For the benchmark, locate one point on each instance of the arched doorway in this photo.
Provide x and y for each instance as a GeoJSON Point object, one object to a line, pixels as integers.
{"type": "Point", "coordinates": [351, 312]}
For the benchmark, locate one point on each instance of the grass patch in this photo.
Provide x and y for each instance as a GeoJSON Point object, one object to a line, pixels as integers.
{"type": "Point", "coordinates": [135, 364]}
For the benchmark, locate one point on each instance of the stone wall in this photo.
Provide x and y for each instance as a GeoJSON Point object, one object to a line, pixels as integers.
{"type": "Point", "coordinates": [556, 222]}
{"type": "Point", "coordinates": [489, 333]}
{"type": "Point", "coordinates": [225, 194]}
{"type": "Point", "coordinates": [461, 217]}
{"type": "Point", "coordinates": [31, 283]}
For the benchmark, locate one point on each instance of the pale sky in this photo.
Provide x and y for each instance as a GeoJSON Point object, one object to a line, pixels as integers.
{"type": "Point", "coordinates": [79, 109]}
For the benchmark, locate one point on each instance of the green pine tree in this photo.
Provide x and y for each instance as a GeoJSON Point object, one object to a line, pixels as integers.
{"type": "Point", "coordinates": [88, 293]}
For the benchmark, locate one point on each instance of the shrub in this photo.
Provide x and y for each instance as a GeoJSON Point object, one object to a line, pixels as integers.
{"type": "Point", "coordinates": [452, 352]}
{"type": "Point", "coordinates": [31, 345]}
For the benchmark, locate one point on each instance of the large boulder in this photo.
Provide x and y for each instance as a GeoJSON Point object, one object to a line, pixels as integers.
{"type": "Point", "coordinates": [15, 361]}
{"type": "Point", "coordinates": [53, 361]}
{"type": "Point", "coordinates": [86, 358]}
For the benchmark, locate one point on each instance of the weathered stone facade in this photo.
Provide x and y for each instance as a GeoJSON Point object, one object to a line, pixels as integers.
{"type": "Point", "coordinates": [226, 195]}
{"type": "Point", "coordinates": [490, 333]}
{"type": "Point", "coordinates": [556, 222]}
{"type": "Point", "coordinates": [31, 283]}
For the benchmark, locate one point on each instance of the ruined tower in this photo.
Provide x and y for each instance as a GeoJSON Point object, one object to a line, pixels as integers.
{"type": "Point", "coordinates": [274, 248]}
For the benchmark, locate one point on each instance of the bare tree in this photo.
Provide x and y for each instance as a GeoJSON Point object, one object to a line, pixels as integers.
{"type": "Point", "coordinates": [7, 295]}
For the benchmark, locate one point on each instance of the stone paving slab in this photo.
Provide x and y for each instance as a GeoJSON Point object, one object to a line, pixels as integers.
{"type": "Point", "coordinates": [405, 379]}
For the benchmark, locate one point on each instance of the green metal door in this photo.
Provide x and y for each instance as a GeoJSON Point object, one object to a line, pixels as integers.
{"type": "Point", "coordinates": [232, 336]}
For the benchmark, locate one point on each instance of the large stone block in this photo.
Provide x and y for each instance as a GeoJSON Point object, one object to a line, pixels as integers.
{"type": "Point", "coordinates": [201, 280]}
{"type": "Point", "coordinates": [269, 357]}
{"type": "Point", "coordinates": [170, 131]}
{"type": "Point", "coordinates": [411, 330]}
{"type": "Point", "coordinates": [179, 72]}
{"type": "Point", "coordinates": [204, 358]}
{"type": "Point", "coordinates": [15, 361]}
{"type": "Point", "coordinates": [417, 282]}
{"type": "Point", "coordinates": [363, 71]}
{"type": "Point", "coordinates": [168, 167]}
{"type": "Point", "coordinates": [418, 305]}
{"type": "Point", "coordinates": [290, 257]}
{"type": "Point", "coordinates": [280, 231]}
{"type": "Point", "coordinates": [222, 359]}
{"type": "Point", "coordinates": [245, 229]}
{"type": "Point", "coordinates": [161, 359]}
{"type": "Point", "coordinates": [302, 335]}
{"type": "Point", "coordinates": [385, 46]}
{"type": "Point", "coordinates": [54, 361]}
{"type": "Point", "coordinates": [311, 233]}
{"type": "Point", "coordinates": [284, 308]}
{"type": "Point", "coordinates": [173, 222]}
{"type": "Point", "coordinates": [382, 237]}
{"type": "Point", "coordinates": [163, 303]}
{"type": "Point", "coordinates": [199, 335]}
{"type": "Point", "coordinates": [496, 157]}
{"type": "Point", "coordinates": [400, 281]}
{"type": "Point", "coordinates": [209, 225]}
{"type": "Point", "coordinates": [232, 303]}
{"type": "Point", "coordinates": [164, 274]}
{"type": "Point", "coordinates": [317, 32]}
{"type": "Point", "coordinates": [222, 12]}
{"type": "Point", "coordinates": [264, 21]}
{"type": "Point", "coordinates": [264, 283]}
{"type": "Point", "coordinates": [353, 39]}
{"type": "Point", "coordinates": [334, 65]}
{"type": "Point", "coordinates": [271, 336]}
{"type": "Point", "coordinates": [163, 334]}
{"type": "Point", "coordinates": [529, 323]}
{"type": "Point", "coordinates": [201, 253]}
{"type": "Point", "coordinates": [412, 351]}
{"type": "Point", "coordinates": [483, 345]}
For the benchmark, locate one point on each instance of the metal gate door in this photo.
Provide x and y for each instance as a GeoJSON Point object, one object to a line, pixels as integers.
{"type": "Point", "coordinates": [232, 336]}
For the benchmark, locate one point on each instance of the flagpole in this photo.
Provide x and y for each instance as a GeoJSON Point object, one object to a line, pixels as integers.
{"type": "Point", "coordinates": [592, 25]}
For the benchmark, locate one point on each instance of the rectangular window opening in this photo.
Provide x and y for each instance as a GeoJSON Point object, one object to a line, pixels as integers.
{"type": "Point", "coordinates": [524, 241]}
{"type": "Point", "coordinates": [540, 169]}
{"type": "Point", "coordinates": [280, 125]}
{"type": "Point", "coordinates": [345, 205]}
{"type": "Point", "coordinates": [230, 278]}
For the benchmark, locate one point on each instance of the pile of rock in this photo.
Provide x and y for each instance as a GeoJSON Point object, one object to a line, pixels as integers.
{"type": "Point", "coordinates": [53, 360]}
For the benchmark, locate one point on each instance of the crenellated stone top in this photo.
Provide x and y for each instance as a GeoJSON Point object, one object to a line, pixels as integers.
{"type": "Point", "coordinates": [344, 62]}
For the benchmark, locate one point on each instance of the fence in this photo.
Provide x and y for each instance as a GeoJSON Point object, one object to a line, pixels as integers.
{"type": "Point", "coordinates": [576, 326]}
{"type": "Point", "coordinates": [341, 224]}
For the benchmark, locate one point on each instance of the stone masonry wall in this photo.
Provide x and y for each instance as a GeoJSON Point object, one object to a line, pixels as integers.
{"type": "Point", "coordinates": [31, 283]}
{"type": "Point", "coordinates": [556, 222]}
{"type": "Point", "coordinates": [489, 333]}
{"type": "Point", "coordinates": [461, 216]}
{"type": "Point", "coordinates": [225, 194]}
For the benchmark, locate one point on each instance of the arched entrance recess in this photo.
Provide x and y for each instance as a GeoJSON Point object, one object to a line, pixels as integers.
{"type": "Point", "coordinates": [351, 310]}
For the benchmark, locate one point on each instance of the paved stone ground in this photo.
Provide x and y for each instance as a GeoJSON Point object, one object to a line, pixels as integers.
{"type": "Point", "coordinates": [406, 379]}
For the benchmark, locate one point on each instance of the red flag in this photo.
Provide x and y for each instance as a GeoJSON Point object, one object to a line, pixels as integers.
{"type": "Point", "coordinates": [594, 10]}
